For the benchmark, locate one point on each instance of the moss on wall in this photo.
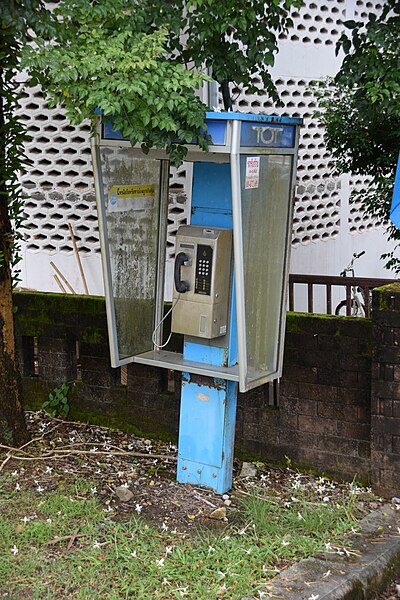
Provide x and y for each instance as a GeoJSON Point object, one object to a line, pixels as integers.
{"type": "Point", "coordinates": [60, 315]}
{"type": "Point", "coordinates": [325, 324]}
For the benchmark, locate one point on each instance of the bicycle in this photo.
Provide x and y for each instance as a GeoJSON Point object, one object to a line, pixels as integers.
{"type": "Point", "coordinates": [357, 300]}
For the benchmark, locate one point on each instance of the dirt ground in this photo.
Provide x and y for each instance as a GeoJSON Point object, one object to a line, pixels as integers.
{"type": "Point", "coordinates": [132, 475]}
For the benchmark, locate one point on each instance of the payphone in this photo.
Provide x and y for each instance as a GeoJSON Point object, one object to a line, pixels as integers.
{"type": "Point", "coordinates": [229, 277]}
{"type": "Point", "coordinates": [202, 277]}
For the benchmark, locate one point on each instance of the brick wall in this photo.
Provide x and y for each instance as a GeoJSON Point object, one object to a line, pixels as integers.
{"type": "Point", "coordinates": [64, 338]}
{"type": "Point", "coordinates": [323, 418]}
{"type": "Point", "coordinates": [385, 399]}
{"type": "Point", "coordinates": [335, 370]}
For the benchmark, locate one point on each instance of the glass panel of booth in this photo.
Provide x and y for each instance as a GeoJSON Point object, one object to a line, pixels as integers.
{"type": "Point", "coordinates": [131, 207]}
{"type": "Point", "coordinates": [266, 208]}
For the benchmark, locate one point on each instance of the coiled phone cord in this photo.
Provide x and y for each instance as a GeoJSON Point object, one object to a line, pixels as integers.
{"type": "Point", "coordinates": [153, 336]}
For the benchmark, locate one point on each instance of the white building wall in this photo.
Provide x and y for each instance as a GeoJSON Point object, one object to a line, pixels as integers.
{"type": "Point", "coordinates": [327, 227]}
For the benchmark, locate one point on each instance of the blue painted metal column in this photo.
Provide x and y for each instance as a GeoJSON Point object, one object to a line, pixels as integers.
{"type": "Point", "coordinates": [207, 432]}
{"type": "Point", "coordinates": [208, 405]}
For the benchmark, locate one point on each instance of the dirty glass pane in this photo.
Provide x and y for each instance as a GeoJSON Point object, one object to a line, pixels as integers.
{"type": "Point", "coordinates": [131, 196]}
{"type": "Point", "coordinates": [265, 189]}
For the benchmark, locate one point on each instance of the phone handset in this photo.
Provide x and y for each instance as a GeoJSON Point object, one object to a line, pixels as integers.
{"type": "Point", "coordinates": [180, 286]}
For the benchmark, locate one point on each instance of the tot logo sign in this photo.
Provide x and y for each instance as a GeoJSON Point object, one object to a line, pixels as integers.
{"type": "Point", "coordinates": [269, 136]}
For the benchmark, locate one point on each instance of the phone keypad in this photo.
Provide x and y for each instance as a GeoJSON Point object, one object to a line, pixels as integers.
{"type": "Point", "coordinates": [202, 283]}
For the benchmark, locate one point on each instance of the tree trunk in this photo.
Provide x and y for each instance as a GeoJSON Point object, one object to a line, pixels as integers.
{"type": "Point", "coordinates": [13, 430]}
{"type": "Point", "coordinates": [12, 421]}
{"type": "Point", "coordinates": [226, 94]}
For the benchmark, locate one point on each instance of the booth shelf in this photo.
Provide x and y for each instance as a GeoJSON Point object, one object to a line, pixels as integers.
{"type": "Point", "coordinates": [176, 362]}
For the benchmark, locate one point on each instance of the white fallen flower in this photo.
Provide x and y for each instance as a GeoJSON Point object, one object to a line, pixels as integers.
{"type": "Point", "coordinates": [160, 563]}
{"type": "Point", "coordinates": [14, 550]}
{"type": "Point", "coordinates": [138, 508]}
{"type": "Point", "coordinates": [183, 591]}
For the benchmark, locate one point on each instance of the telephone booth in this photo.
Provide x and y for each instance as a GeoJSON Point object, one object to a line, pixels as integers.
{"type": "Point", "coordinates": [228, 281]}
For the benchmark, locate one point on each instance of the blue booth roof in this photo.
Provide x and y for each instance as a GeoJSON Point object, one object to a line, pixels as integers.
{"type": "Point", "coordinates": [238, 116]}
{"type": "Point", "coordinates": [257, 131]}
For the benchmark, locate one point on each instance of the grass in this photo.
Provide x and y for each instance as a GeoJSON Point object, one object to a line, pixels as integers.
{"type": "Point", "coordinates": [133, 559]}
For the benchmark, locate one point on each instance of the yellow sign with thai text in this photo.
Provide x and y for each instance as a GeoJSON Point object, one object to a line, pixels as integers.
{"type": "Point", "coordinates": [122, 198]}
{"type": "Point", "coordinates": [132, 191]}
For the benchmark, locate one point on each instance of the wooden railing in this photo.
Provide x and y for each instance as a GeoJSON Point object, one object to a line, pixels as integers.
{"type": "Point", "coordinates": [328, 281]}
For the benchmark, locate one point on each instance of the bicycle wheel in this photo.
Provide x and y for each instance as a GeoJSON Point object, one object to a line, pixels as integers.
{"type": "Point", "coordinates": [356, 311]}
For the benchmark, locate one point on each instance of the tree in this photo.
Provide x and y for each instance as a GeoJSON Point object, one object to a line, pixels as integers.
{"type": "Point", "coordinates": [16, 18]}
{"type": "Point", "coordinates": [139, 61]}
{"type": "Point", "coordinates": [361, 111]}
{"type": "Point", "coordinates": [142, 61]}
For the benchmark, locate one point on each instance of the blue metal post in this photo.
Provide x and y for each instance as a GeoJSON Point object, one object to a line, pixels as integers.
{"type": "Point", "coordinates": [208, 405]}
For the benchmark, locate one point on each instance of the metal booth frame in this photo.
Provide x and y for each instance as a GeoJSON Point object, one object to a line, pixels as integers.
{"type": "Point", "coordinates": [227, 131]}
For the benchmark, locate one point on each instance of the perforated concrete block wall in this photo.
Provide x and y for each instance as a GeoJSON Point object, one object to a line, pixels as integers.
{"type": "Point", "coordinates": [318, 199]}
{"type": "Point", "coordinates": [59, 181]}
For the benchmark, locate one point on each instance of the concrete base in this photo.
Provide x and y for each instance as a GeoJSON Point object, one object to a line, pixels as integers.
{"type": "Point", "coordinates": [373, 561]}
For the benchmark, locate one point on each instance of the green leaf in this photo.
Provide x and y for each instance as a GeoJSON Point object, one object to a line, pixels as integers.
{"type": "Point", "coordinates": [350, 24]}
